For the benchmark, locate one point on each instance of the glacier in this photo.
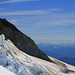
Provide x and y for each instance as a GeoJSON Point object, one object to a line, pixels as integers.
{"type": "Point", "coordinates": [21, 63]}
{"type": "Point", "coordinates": [17, 61]}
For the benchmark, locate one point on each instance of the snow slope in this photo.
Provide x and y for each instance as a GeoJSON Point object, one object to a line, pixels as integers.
{"type": "Point", "coordinates": [21, 63]}
{"type": "Point", "coordinates": [4, 71]}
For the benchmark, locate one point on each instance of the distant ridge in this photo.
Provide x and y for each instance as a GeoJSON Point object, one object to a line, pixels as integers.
{"type": "Point", "coordinates": [23, 42]}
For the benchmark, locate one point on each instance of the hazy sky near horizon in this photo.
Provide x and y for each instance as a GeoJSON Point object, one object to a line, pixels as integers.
{"type": "Point", "coordinates": [42, 20]}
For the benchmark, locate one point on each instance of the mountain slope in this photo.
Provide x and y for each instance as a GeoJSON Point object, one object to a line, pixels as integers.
{"type": "Point", "coordinates": [21, 41]}
{"type": "Point", "coordinates": [63, 51]}
{"type": "Point", "coordinates": [21, 63]}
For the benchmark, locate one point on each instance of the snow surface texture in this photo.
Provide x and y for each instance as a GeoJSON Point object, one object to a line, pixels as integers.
{"type": "Point", "coordinates": [21, 63]}
{"type": "Point", "coordinates": [4, 71]}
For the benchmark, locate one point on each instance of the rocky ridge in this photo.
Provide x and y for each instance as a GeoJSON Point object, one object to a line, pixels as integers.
{"type": "Point", "coordinates": [21, 41]}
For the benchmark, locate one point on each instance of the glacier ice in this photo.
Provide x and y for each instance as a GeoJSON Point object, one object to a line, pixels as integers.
{"type": "Point", "coordinates": [16, 61]}
{"type": "Point", "coordinates": [3, 59]}
{"type": "Point", "coordinates": [21, 63]}
{"type": "Point", "coordinates": [2, 39]}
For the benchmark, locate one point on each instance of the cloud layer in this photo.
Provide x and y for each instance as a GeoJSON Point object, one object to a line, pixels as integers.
{"type": "Point", "coordinates": [42, 18]}
{"type": "Point", "coordinates": [55, 9]}
{"type": "Point", "coordinates": [13, 1]}
{"type": "Point", "coordinates": [33, 12]}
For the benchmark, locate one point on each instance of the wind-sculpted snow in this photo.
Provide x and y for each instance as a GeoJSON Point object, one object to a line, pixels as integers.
{"type": "Point", "coordinates": [21, 63]}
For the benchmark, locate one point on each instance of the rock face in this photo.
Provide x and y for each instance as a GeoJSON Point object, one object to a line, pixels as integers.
{"type": "Point", "coordinates": [21, 41]}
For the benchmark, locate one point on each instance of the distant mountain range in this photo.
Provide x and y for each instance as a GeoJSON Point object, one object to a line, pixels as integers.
{"type": "Point", "coordinates": [63, 52]}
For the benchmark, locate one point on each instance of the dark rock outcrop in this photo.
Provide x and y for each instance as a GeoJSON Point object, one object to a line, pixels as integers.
{"type": "Point", "coordinates": [21, 41]}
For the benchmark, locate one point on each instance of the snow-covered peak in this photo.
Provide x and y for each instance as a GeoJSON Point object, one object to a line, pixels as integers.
{"type": "Point", "coordinates": [21, 63]}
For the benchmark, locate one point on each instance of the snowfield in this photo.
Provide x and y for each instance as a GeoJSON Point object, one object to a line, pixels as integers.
{"type": "Point", "coordinates": [4, 71]}
{"type": "Point", "coordinates": [21, 63]}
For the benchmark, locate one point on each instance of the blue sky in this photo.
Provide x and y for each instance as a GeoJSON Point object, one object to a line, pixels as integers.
{"type": "Point", "coordinates": [42, 20]}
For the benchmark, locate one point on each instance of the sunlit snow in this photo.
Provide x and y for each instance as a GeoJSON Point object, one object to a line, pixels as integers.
{"type": "Point", "coordinates": [21, 63]}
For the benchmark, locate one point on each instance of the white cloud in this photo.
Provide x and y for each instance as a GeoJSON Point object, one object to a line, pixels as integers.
{"type": "Point", "coordinates": [56, 21]}
{"type": "Point", "coordinates": [55, 9]}
{"type": "Point", "coordinates": [33, 12]}
{"type": "Point", "coordinates": [12, 1]}
{"type": "Point", "coordinates": [52, 19]}
{"type": "Point", "coordinates": [46, 20]}
{"type": "Point", "coordinates": [64, 22]}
